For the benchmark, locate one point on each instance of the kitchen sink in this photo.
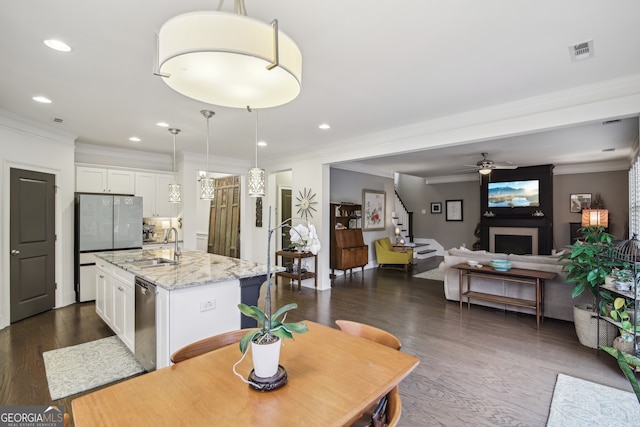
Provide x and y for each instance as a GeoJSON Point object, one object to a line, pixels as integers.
{"type": "Point", "coordinates": [153, 262]}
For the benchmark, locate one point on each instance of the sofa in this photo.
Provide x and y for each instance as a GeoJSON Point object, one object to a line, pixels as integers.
{"type": "Point", "coordinates": [558, 303]}
{"type": "Point", "coordinates": [390, 257]}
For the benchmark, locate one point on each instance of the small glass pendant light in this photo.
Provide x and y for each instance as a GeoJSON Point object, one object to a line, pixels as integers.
{"type": "Point", "coordinates": [256, 175]}
{"type": "Point", "coordinates": [207, 184]}
{"type": "Point", "coordinates": [175, 195]}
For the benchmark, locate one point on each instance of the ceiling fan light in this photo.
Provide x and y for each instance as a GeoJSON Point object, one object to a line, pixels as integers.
{"type": "Point", "coordinates": [484, 171]}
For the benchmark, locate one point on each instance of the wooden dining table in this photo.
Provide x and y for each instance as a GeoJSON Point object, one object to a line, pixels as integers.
{"type": "Point", "coordinates": [333, 378]}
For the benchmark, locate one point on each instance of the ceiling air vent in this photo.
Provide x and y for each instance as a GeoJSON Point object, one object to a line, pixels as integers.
{"type": "Point", "coordinates": [57, 120]}
{"type": "Point", "coordinates": [581, 51]}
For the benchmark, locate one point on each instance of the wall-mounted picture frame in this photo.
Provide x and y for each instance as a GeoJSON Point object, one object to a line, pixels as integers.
{"type": "Point", "coordinates": [453, 210]}
{"type": "Point", "coordinates": [373, 206]}
{"type": "Point", "coordinates": [579, 201]}
{"type": "Point", "coordinates": [436, 207]}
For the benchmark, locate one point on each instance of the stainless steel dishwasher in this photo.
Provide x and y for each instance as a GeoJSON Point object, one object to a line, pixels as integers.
{"type": "Point", "coordinates": [145, 336]}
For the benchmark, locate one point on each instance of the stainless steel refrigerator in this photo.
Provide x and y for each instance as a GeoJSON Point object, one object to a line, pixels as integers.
{"type": "Point", "coordinates": [103, 223]}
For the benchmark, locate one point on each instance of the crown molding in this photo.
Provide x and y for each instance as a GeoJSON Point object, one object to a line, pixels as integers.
{"type": "Point", "coordinates": [21, 124]}
{"type": "Point", "coordinates": [592, 167]}
{"type": "Point", "coordinates": [122, 157]}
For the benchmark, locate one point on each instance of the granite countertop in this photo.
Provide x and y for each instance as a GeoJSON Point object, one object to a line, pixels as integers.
{"type": "Point", "coordinates": [195, 267]}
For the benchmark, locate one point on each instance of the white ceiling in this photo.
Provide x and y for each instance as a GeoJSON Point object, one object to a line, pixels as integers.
{"type": "Point", "coordinates": [367, 67]}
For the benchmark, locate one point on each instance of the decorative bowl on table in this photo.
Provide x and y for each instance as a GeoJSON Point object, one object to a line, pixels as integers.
{"type": "Point", "coordinates": [500, 264]}
{"type": "Point", "coordinates": [472, 263]}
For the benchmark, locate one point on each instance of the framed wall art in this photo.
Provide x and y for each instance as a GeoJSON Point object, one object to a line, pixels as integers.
{"type": "Point", "coordinates": [453, 210]}
{"type": "Point", "coordinates": [580, 201]}
{"type": "Point", "coordinates": [436, 208]}
{"type": "Point", "coordinates": [373, 205]}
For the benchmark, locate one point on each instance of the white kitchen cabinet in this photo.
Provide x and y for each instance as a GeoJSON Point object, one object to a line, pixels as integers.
{"type": "Point", "coordinates": [102, 284]}
{"type": "Point", "coordinates": [154, 190]}
{"type": "Point", "coordinates": [102, 180]}
{"type": "Point", "coordinates": [163, 207]}
{"type": "Point", "coordinates": [115, 302]}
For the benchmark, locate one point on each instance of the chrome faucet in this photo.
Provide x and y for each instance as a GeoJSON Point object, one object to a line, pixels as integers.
{"type": "Point", "coordinates": [176, 252]}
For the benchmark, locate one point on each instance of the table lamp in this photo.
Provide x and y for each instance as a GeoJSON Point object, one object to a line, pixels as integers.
{"type": "Point", "coordinates": [595, 218]}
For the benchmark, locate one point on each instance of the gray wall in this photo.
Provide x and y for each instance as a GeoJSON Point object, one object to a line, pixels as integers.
{"type": "Point", "coordinates": [612, 186]}
{"type": "Point", "coordinates": [418, 197]}
{"type": "Point", "coordinates": [347, 186]}
{"type": "Point", "coordinates": [614, 190]}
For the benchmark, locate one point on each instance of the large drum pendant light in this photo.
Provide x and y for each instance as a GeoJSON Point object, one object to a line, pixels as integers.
{"type": "Point", "coordinates": [229, 59]}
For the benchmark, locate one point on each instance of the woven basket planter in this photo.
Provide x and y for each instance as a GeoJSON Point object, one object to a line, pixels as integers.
{"type": "Point", "coordinates": [585, 321]}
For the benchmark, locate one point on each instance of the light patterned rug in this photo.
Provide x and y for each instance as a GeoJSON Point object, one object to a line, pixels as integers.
{"type": "Point", "coordinates": [78, 368]}
{"type": "Point", "coordinates": [434, 274]}
{"type": "Point", "coordinates": [580, 403]}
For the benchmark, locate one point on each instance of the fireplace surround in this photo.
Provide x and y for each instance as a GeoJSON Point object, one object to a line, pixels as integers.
{"type": "Point", "coordinates": [516, 225]}
{"type": "Point", "coordinates": [514, 240]}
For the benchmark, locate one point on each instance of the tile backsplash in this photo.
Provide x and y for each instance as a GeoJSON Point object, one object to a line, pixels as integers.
{"type": "Point", "coordinates": [160, 227]}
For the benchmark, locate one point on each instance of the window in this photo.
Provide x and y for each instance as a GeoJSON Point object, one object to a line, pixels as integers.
{"type": "Point", "coordinates": [634, 198]}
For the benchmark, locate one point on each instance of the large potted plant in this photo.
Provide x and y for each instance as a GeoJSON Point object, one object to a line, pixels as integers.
{"type": "Point", "coordinates": [586, 271]}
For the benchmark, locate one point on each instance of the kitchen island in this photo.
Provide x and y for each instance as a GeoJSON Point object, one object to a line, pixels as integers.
{"type": "Point", "coordinates": [195, 298]}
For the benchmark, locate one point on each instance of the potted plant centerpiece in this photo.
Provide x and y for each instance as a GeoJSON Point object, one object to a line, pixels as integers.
{"type": "Point", "coordinates": [266, 340]}
{"type": "Point", "coordinates": [586, 272]}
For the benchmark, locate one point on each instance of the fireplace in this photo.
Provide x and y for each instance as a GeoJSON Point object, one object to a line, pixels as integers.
{"type": "Point", "coordinates": [513, 240]}
{"type": "Point", "coordinates": [519, 228]}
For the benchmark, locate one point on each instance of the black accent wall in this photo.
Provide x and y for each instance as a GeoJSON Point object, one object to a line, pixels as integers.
{"type": "Point", "coordinates": [540, 217]}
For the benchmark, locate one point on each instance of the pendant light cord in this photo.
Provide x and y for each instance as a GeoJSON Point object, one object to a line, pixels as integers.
{"type": "Point", "coordinates": [256, 138]}
{"type": "Point", "coordinates": [207, 171]}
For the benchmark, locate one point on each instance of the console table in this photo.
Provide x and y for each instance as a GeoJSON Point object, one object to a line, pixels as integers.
{"type": "Point", "coordinates": [514, 275]}
{"type": "Point", "coordinates": [298, 275]}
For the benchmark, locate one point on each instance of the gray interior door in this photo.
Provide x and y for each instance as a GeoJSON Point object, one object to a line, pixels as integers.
{"type": "Point", "coordinates": [285, 208]}
{"type": "Point", "coordinates": [32, 243]}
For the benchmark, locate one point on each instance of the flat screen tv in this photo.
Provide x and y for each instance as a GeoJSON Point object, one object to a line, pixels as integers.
{"type": "Point", "coordinates": [514, 194]}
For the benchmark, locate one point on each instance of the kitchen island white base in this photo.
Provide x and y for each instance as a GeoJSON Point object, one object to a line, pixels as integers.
{"type": "Point", "coordinates": [190, 314]}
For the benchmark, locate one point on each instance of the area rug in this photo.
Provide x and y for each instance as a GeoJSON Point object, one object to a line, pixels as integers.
{"type": "Point", "coordinates": [577, 402]}
{"type": "Point", "coordinates": [434, 274]}
{"type": "Point", "coordinates": [78, 368]}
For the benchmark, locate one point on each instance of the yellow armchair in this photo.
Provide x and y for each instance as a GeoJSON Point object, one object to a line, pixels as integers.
{"type": "Point", "coordinates": [387, 255]}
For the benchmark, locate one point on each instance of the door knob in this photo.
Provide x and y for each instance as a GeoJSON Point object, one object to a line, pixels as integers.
{"type": "Point", "coordinates": [15, 252]}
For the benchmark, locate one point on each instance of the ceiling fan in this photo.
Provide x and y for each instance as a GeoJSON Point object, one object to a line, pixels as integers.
{"type": "Point", "coordinates": [485, 166]}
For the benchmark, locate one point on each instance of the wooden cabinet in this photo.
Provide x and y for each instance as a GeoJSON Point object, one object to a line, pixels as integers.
{"type": "Point", "coordinates": [101, 180]}
{"type": "Point", "coordinates": [115, 302]}
{"type": "Point", "coordinates": [154, 190]}
{"type": "Point", "coordinates": [347, 249]}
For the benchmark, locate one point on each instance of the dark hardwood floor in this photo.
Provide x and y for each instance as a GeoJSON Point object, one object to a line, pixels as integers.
{"type": "Point", "coordinates": [482, 367]}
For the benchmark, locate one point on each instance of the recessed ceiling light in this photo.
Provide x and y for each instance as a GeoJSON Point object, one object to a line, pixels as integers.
{"type": "Point", "coordinates": [262, 144]}
{"type": "Point", "coordinates": [57, 45]}
{"type": "Point", "coordinates": [163, 124]}
{"type": "Point", "coordinates": [134, 139]}
{"type": "Point", "coordinates": [324, 126]}
{"type": "Point", "coordinates": [42, 99]}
